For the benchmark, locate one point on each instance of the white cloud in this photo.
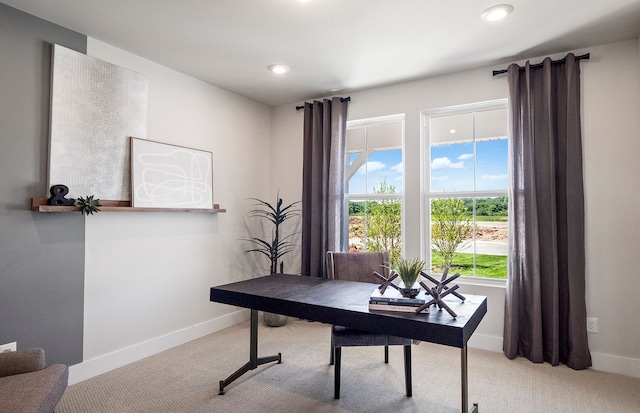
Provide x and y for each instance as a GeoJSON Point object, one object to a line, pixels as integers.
{"type": "Point", "coordinates": [397, 168]}
{"type": "Point", "coordinates": [441, 163]}
{"type": "Point", "coordinates": [501, 177]}
{"type": "Point", "coordinates": [465, 156]}
{"type": "Point", "coordinates": [439, 178]}
{"type": "Point", "coordinates": [372, 167]}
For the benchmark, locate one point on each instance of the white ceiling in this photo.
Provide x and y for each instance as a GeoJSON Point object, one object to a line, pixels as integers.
{"type": "Point", "coordinates": [336, 46]}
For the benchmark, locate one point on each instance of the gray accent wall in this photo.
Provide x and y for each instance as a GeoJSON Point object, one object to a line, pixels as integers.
{"type": "Point", "coordinates": [41, 254]}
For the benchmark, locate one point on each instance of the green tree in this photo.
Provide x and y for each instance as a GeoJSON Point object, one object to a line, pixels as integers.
{"type": "Point", "coordinates": [384, 224]}
{"type": "Point", "coordinates": [488, 206]}
{"type": "Point", "coordinates": [451, 226]}
{"type": "Point", "coordinates": [356, 208]}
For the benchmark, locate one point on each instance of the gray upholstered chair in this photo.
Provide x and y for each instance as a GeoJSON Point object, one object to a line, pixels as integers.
{"type": "Point", "coordinates": [359, 266]}
{"type": "Point", "coordinates": [26, 385]}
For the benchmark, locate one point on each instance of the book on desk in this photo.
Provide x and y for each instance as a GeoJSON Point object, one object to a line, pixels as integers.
{"type": "Point", "coordinates": [393, 300]}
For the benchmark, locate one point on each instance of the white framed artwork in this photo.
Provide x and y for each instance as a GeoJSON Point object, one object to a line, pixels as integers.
{"type": "Point", "coordinates": [170, 176]}
{"type": "Point", "coordinates": [95, 107]}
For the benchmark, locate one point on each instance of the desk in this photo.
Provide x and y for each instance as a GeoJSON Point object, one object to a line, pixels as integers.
{"type": "Point", "coordinates": [347, 303]}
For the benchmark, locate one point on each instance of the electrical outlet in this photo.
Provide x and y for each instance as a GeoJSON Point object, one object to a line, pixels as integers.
{"type": "Point", "coordinates": [5, 348]}
{"type": "Point", "coordinates": [592, 325]}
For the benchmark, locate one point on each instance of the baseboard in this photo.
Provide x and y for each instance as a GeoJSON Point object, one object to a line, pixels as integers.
{"type": "Point", "coordinates": [102, 364]}
{"type": "Point", "coordinates": [485, 342]}
{"type": "Point", "coordinates": [602, 362]}
{"type": "Point", "coordinates": [616, 364]}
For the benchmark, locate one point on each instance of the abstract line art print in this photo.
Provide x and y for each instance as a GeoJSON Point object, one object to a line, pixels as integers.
{"type": "Point", "coordinates": [169, 176]}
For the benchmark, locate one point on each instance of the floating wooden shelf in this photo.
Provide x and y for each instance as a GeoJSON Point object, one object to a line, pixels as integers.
{"type": "Point", "coordinates": [40, 205]}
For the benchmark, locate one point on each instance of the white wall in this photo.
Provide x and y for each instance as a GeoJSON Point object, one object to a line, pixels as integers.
{"type": "Point", "coordinates": [611, 136]}
{"type": "Point", "coordinates": [147, 275]}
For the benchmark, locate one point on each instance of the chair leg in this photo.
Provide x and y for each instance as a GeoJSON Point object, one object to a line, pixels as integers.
{"type": "Point", "coordinates": [407, 369]}
{"type": "Point", "coordinates": [331, 356]}
{"type": "Point", "coordinates": [336, 372]}
{"type": "Point", "coordinates": [386, 354]}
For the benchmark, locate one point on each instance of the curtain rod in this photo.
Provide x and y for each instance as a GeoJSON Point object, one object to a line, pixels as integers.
{"type": "Point", "coordinates": [584, 56]}
{"type": "Point", "coordinates": [347, 99]}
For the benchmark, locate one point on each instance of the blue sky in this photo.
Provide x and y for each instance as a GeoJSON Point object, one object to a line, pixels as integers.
{"type": "Point", "coordinates": [452, 168]}
{"type": "Point", "coordinates": [381, 166]}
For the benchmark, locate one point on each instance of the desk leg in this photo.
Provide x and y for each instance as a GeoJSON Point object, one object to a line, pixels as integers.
{"type": "Point", "coordinates": [465, 383]}
{"type": "Point", "coordinates": [254, 360]}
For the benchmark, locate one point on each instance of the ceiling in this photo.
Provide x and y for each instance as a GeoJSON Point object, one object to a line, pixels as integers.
{"type": "Point", "coordinates": [336, 46]}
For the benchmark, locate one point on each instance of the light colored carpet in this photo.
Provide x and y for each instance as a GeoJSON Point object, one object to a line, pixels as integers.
{"type": "Point", "coordinates": [185, 379]}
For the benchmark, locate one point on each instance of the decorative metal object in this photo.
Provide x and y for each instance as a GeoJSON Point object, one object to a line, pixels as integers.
{"type": "Point", "coordinates": [95, 108]}
{"type": "Point", "coordinates": [58, 193]}
{"type": "Point", "coordinates": [440, 290]}
{"type": "Point", "coordinates": [386, 282]}
{"type": "Point", "coordinates": [445, 279]}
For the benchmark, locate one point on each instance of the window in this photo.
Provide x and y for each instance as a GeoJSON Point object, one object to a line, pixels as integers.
{"type": "Point", "coordinates": [374, 184]}
{"type": "Point", "coordinates": [465, 188]}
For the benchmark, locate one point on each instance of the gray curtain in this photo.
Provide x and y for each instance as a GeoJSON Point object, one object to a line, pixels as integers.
{"type": "Point", "coordinates": [545, 312]}
{"type": "Point", "coordinates": [323, 210]}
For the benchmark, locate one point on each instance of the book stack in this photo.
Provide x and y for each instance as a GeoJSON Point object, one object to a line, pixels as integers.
{"type": "Point", "coordinates": [392, 300]}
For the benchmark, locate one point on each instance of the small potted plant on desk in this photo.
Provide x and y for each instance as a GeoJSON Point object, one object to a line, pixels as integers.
{"type": "Point", "coordinates": [409, 272]}
{"type": "Point", "coordinates": [278, 245]}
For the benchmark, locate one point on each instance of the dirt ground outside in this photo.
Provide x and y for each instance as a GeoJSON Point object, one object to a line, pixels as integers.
{"type": "Point", "coordinates": [484, 232]}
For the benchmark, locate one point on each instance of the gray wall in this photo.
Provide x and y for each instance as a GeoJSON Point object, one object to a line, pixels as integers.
{"type": "Point", "coordinates": [41, 255]}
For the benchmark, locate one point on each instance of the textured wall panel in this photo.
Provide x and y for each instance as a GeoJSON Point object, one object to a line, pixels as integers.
{"type": "Point", "coordinates": [95, 108]}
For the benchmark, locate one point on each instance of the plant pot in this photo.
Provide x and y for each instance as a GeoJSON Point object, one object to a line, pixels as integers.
{"type": "Point", "coordinates": [411, 292]}
{"type": "Point", "coordinates": [274, 320]}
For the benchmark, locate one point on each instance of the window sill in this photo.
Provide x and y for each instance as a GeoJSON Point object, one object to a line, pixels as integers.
{"type": "Point", "coordinates": [483, 282]}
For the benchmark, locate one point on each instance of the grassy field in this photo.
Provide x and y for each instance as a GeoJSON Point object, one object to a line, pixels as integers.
{"type": "Point", "coordinates": [483, 218]}
{"type": "Point", "coordinates": [489, 266]}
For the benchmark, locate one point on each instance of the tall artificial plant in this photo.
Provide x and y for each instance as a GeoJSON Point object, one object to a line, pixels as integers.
{"type": "Point", "coordinates": [278, 245]}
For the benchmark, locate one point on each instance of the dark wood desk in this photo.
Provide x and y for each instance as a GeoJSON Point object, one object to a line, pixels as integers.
{"type": "Point", "coordinates": [346, 303]}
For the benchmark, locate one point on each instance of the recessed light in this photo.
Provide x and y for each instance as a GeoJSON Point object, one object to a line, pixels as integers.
{"type": "Point", "coordinates": [496, 13]}
{"type": "Point", "coordinates": [279, 69]}
{"type": "Point", "coordinates": [452, 131]}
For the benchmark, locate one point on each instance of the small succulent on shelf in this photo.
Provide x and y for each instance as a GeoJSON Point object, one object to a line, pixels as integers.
{"type": "Point", "coordinates": [409, 271]}
{"type": "Point", "coordinates": [88, 205]}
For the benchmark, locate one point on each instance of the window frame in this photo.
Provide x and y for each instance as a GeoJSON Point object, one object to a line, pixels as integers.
{"type": "Point", "coordinates": [425, 180]}
{"type": "Point", "coordinates": [364, 123]}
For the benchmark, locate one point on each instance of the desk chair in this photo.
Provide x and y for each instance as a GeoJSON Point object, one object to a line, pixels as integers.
{"type": "Point", "coordinates": [359, 266]}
